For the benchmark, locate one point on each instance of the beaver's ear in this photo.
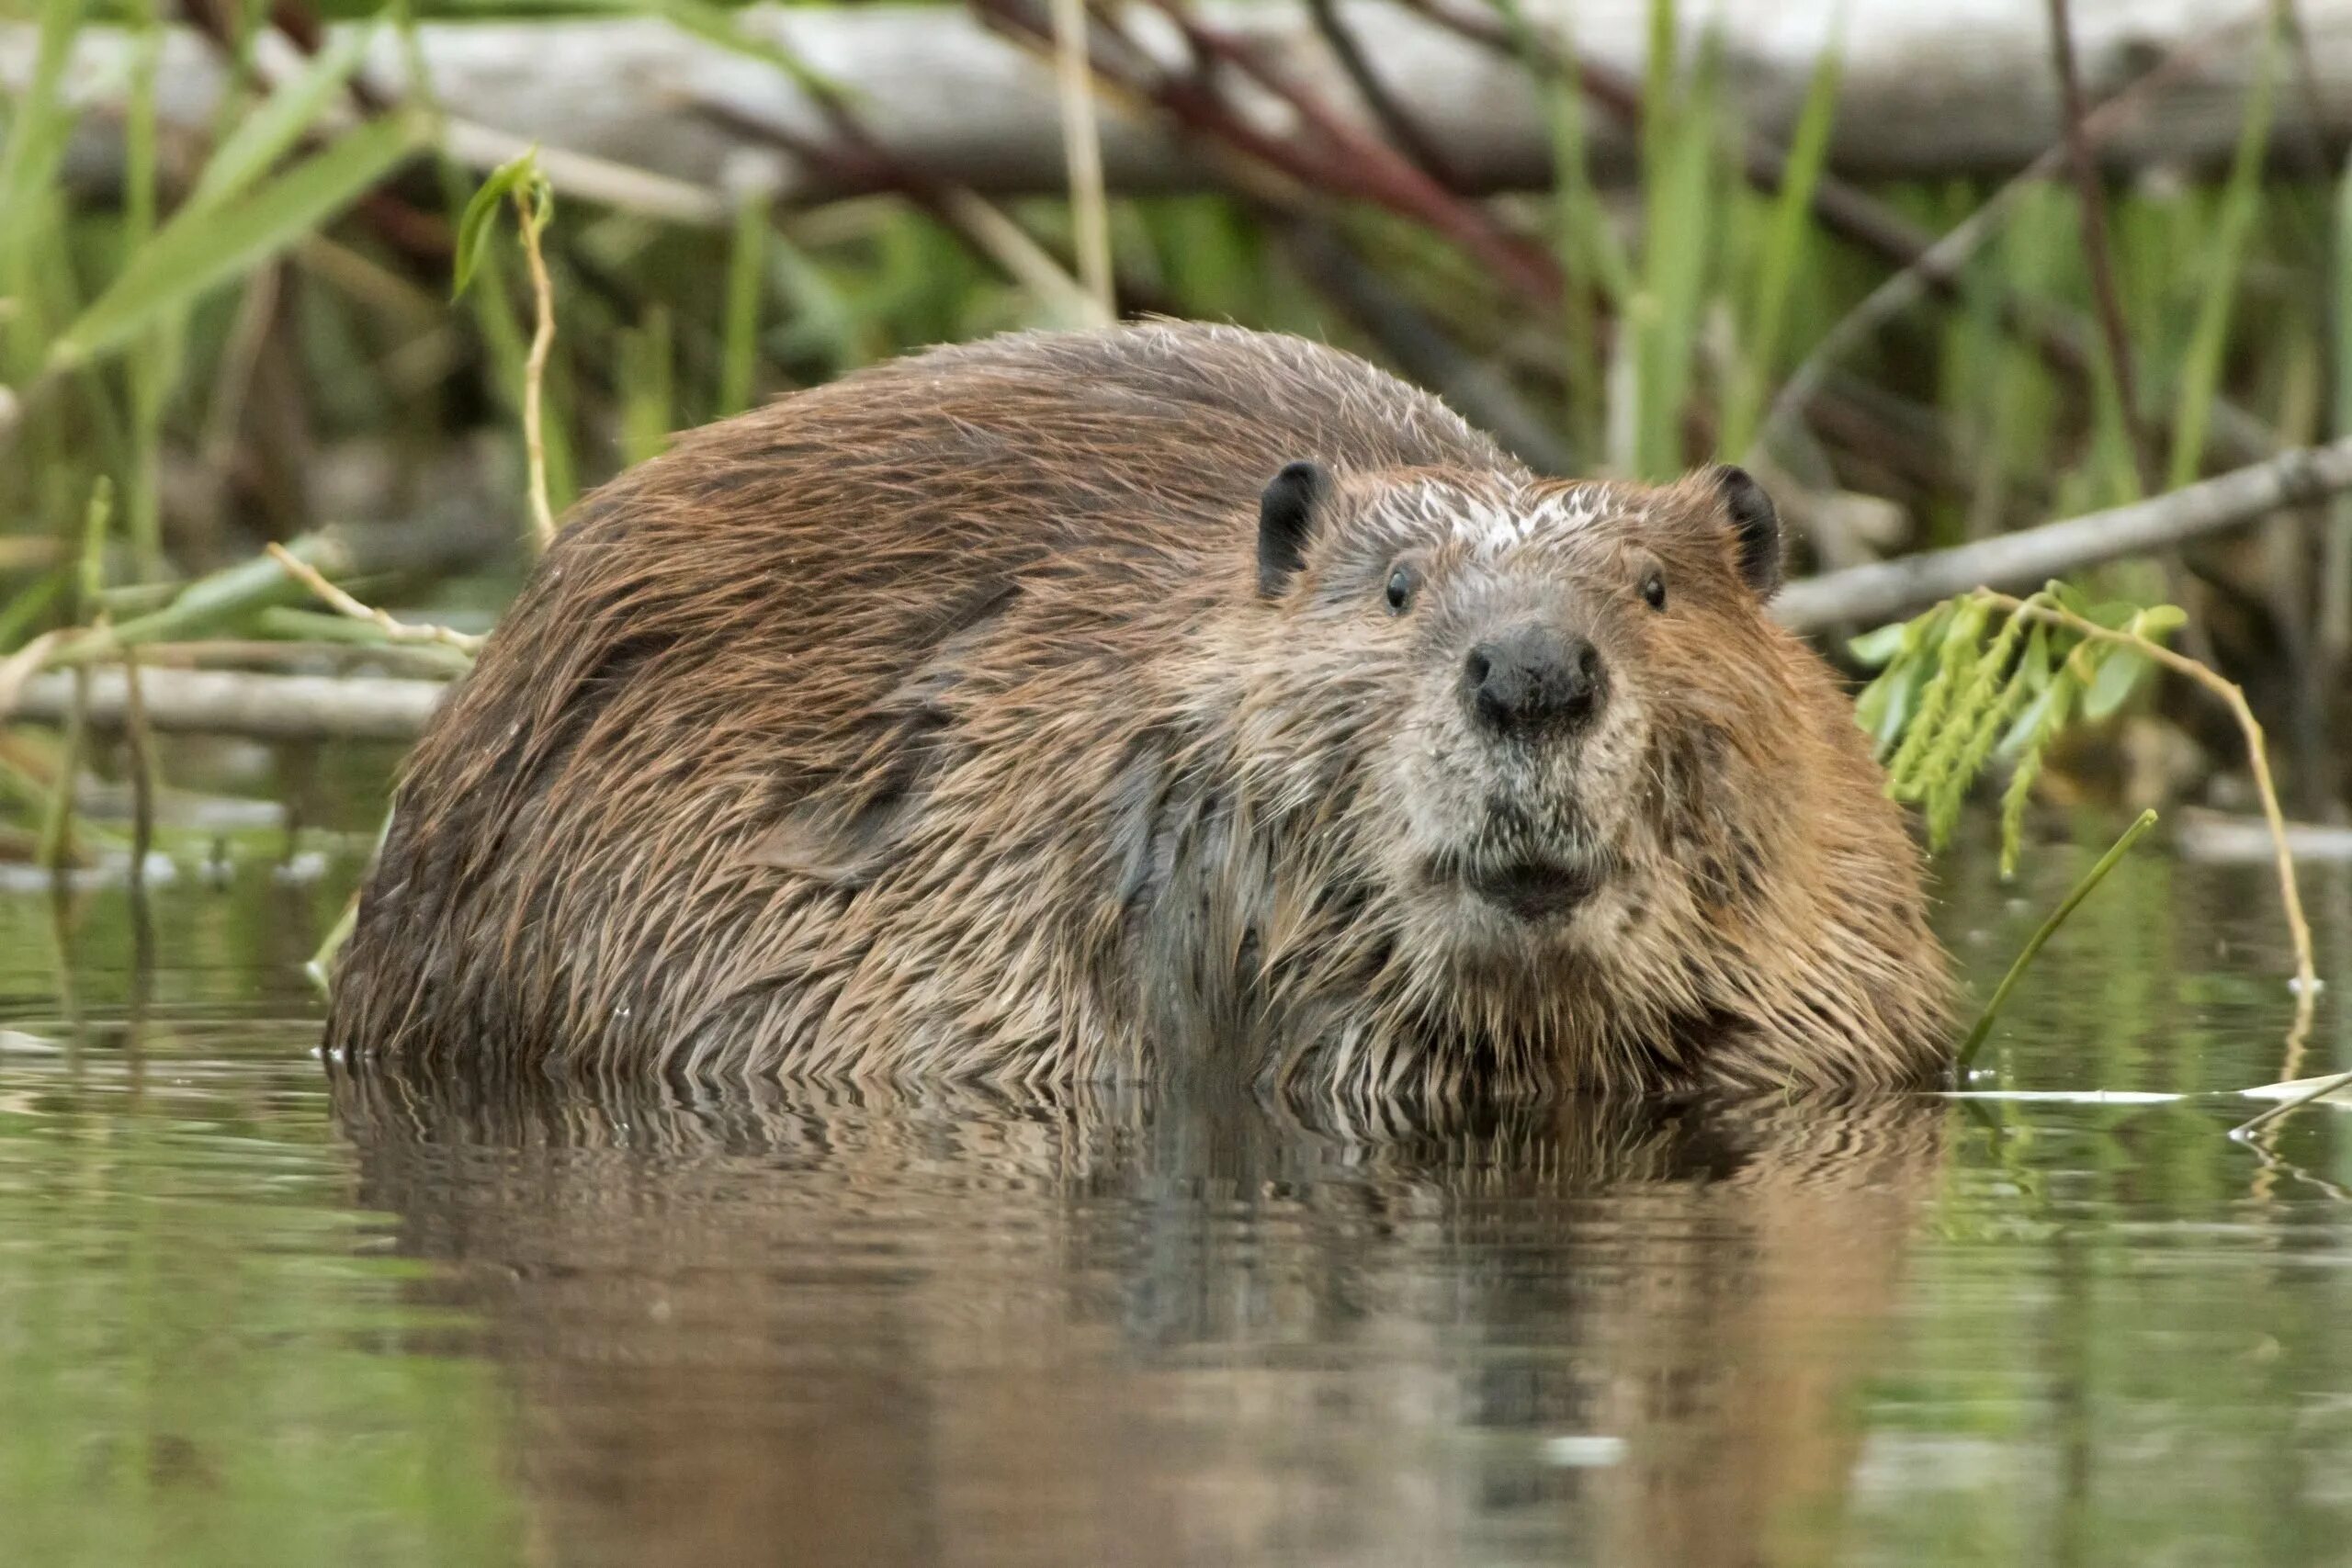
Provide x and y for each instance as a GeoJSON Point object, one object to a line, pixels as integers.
{"type": "Point", "coordinates": [1756, 527]}
{"type": "Point", "coordinates": [1285, 520]}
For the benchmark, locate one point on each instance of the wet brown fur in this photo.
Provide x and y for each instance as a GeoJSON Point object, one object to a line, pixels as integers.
{"type": "Point", "coordinates": [934, 723]}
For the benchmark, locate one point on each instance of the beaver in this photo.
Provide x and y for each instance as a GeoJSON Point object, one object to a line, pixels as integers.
{"type": "Point", "coordinates": [1129, 704]}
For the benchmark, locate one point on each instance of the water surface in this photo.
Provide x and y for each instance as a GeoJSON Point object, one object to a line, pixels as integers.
{"type": "Point", "coordinates": [253, 1315]}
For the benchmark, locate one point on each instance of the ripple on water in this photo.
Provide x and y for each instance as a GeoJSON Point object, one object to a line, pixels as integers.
{"type": "Point", "coordinates": [255, 1310]}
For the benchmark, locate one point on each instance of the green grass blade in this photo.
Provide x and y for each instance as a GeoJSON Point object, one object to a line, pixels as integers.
{"type": "Point", "coordinates": [199, 250]}
{"type": "Point", "coordinates": [2092, 878]}
{"type": "Point", "coordinates": [274, 125]}
{"type": "Point", "coordinates": [91, 584]}
{"type": "Point", "coordinates": [647, 398]}
{"type": "Point", "coordinates": [1784, 251]}
{"type": "Point", "coordinates": [28, 607]}
{"type": "Point", "coordinates": [39, 121]}
{"type": "Point", "coordinates": [1589, 254]}
{"type": "Point", "coordinates": [209, 604]}
{"type": "Point", "coordinates": [2201, 368]}
{"type": "Point", "coordinates": [746, 268]}
{"type": "Point", "coordinates": [1679, 165]}
{"type": "Point", "coordinates": [155, 368]}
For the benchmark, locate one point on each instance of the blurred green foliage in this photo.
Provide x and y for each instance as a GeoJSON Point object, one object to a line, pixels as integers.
{"type": "Point", "coordinates": [243, 319]}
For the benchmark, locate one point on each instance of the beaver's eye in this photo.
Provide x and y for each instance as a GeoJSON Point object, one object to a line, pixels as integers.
{"type": "Point", "coordinates": [1654, 590]}
{"type": "Point", "coordinates": [1401, 583]}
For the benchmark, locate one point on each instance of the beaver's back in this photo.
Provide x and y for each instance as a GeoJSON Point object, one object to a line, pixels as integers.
{"type": "Point", "coordinates": [721, 631]}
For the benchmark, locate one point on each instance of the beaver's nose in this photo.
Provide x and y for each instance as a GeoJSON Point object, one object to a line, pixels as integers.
{"type": "Point", "coordinates": [1534, 680]}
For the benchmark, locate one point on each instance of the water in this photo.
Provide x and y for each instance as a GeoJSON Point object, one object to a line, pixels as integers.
{"type": "Point", "coordinates": [251, 1315]}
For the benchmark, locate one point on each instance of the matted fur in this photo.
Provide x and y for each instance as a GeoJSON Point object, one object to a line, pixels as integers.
{"type": "Point", "coordinates": [935, 722]}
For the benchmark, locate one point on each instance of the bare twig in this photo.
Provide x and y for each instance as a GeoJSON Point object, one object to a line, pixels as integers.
{"type": "Point", "coordinates": [1870, 594]}
{"type": "Point", "coordinates": [344, 603]}
{"type": "Point", "coordinates": [1083, 150]}
{"type": "Point", "coordinates": [2257, 759]}
{"type": "Point", "coordinates": [1332, 154]}
{"type": "Point", "coordinates": [21, 666]}
{"type": "Point", "coordinates": [2091, 199]}
{"type": "Point", "coordinates": [1350, 158]}
{"type": "Point", "coordinates": [2321, 1090]}
{"type": "Point", "coordinates": [534, 372]}
{"type": "Point", "coordinates": [1393, 117]}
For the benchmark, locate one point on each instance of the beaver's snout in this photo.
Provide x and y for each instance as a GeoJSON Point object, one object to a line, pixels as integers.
{"type": "Point", "coordinates": [1533, 682]}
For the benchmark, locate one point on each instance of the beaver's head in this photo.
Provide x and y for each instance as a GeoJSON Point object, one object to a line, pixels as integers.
{"type": "Point", "coordinates": [1522, 706]}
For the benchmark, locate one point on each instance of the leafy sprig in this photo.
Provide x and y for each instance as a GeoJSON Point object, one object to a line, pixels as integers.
{"type": "Point", "coordinates": [1983, 678]}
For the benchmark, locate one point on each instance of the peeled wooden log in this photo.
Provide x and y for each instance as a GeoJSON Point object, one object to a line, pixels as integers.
{"type": "Point", "coordinates": [227, 702]}
{"type": "Point", "coordinates": [1926, 90]}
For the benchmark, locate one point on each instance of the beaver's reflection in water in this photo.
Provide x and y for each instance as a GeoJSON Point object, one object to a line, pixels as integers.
{"type": "Point", "coordinates": [794, 1325]}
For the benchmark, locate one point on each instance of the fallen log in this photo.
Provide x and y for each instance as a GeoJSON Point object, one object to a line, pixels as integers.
{"type": "Point", "coordinates": [1924, 90]}
{"type": "Point", "coordinates": [225, 702]}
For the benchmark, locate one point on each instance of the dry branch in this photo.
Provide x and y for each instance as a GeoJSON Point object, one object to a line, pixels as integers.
{"type": "Point", "coordinates": [344, 604]}
{"type": "Point", "coordinates": [1867, 595]}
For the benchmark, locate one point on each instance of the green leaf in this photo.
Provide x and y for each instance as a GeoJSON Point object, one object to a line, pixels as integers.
{"type": "Point", "coordinates": [2038, 661]}
{"type": "Point", "coordinates": [1869, 707]}
{"type": "Point", "coordinates": [1903, 683]}
{"type": "Point", "coordinates": [519, 177]}
{"type": "Point", "coordinates": [223, 598]}
{"type": "Point", "coordinates": [273, 126]}
{"type": "Point", "coordinates": [199, 250]}
{"type": "Point", "coordinates": [38, 121]}
{"type": "Point", "coordinates": [2045, 712]}
{"type": "Point", "coordinates": [19, 614]}
{"type": "Point", "coordinates": [2119, 672]}
{"type": "Point", "coordinates": [1872, 649]}
{"type": "Point", "coordinates": [2158, 622]}
{"type": "Point", "coordinates": [2113, 613]}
